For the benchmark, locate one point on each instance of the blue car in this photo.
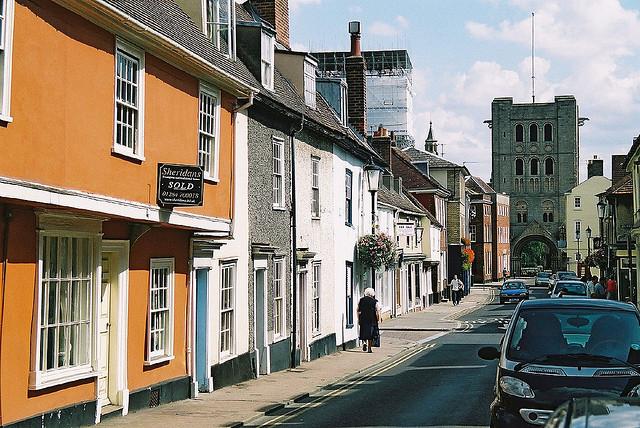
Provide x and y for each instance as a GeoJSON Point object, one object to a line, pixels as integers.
{"type": "Point", "coordinates": [513, 289]}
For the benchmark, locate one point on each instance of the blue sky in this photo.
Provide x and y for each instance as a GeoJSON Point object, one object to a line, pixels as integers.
{"type": "Point", "coordinates": [467, 52]}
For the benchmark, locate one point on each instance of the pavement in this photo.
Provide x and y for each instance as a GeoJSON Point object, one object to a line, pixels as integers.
{"type": "Point", "coordinates": [247, 401]}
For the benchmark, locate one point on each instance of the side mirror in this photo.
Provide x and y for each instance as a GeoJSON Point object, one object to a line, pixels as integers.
{"type": "Point", "coordinates": [489, 353]}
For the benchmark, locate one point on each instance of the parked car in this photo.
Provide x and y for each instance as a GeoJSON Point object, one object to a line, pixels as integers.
{"type": "Point", "coordinates": [596, 412]}
{"type": "Point", "coordinates": [542, 279]}
{"type": "Point", "coordinates": [569, 288]}
{"type": "Point", "coordinates": [513, 289]}
{"type": "Point", "coordinates": [560, 275]}
{"type": "Point", "coordinates": [558, 349]}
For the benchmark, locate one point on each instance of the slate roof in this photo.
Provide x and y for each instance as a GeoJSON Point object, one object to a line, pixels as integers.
{"type": "Point", "coordinates": [392, 198]}
{"type": "Point", "coordinates": [478, 185]}
{"type": "Point", "coordinates": [419, 156]}
{"type": "Point", "coordinates": [423, 181]}
{"type": "Point", "coordinates": [168, 19]}
{"type": "Point", "coordinates": [632, 151]}
{"type": "Point", "coordinates": [624, 186]}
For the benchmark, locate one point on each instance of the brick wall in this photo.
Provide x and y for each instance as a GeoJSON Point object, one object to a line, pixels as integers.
{"type": "Point", "coordinates": [275, 12]}
{"type": "Point", "coordinates": [357, 93]}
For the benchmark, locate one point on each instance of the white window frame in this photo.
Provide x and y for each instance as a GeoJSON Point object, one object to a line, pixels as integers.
{"type": "Point", "coordinates": [279, 290]}
{"type": "Point", "coordinates": [315, 298]}
{"type": "Point", "coordinates": [267, 46]}
{"type": "Point", "coordinates": [214, 35]}
{"type": "Point", "coordinates": [472, 233]}
{"type": "Point", "coordinates": [310, 83]}
{"type": "Point", "coordinates": [315, 187]}
{"type": "Point", "coordinates": [277, 182]}
{"type": "Point", "coordinates": [577, 203]}
{"type": "Point", "coordinates": [348, 202]}
{"type": "Point", "coordinates": [166, 353]}
{"type": "Point", "coordinates": [83, 229]}
{"type": "Point", "coordinates": [577, 230]}
{"type": "Point", "coordinates": [133, 52]}
{"type": "Point", "coordinates": [344, 109]}
{"type": "Point", "coordinates": [210, 131]}
{"type": "Point", "coordinates": [228, 348]}
{"type": "Point", "coordinates": [6, 47]}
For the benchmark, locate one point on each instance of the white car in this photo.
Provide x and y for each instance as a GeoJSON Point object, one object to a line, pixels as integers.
{"type": "Point", "coordinates": [569, 288]}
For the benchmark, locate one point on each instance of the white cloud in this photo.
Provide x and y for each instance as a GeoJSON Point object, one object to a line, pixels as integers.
{"type": "Point", "coordinates": [379, 28]}
{"type": "Point", "coordinates": [295, 4]}
{"type": "Point", "coordinates": [402, 21]}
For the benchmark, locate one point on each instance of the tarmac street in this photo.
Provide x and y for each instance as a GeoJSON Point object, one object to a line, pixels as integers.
{"type": "Point", "coordinates": [425, 373]}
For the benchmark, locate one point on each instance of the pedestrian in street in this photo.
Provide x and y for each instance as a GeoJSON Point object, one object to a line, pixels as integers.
{"type": "Point", "coordinates": [368, 318]}
{"type": "Point", "coordinates": [600, 291]}
{"type": "Point", "coordinates": [591, 285]}
{"type": "Point", "coordinates": [456, 288]}
{"type": "Point", "coordinates": [504, 274]}
{"type": "Point", "coordinates": [612, 289]}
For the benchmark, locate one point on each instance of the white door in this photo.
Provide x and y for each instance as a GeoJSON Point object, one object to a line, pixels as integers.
{"type": "Point", "coordinates": [104, 327]}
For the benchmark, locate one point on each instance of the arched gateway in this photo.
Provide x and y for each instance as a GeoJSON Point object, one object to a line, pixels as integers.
{"type": "Point", "coordinates": [552, 259]}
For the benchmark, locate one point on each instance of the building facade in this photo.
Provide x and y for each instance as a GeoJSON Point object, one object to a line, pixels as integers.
{"type": "Point", "coordinates": [535, 150]}
{"type": "Point", "coordinates": [501, 238]}
{"type": "Point", "coordinates": [99, 278]}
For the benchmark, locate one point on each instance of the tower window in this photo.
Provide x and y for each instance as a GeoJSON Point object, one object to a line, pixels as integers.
{"type": "Point", "coordinates": [548, 166]}
{"type": "Point", "coordinates": [533, 133]}
{"type": "Point", "coordinates": [519, 133]}
{"type": "Point", "coordinates": [519, 167]}
{"type": "Point", "coordinates": [534, 166]}
{"type": "Point", "coordinates": [548, 132]}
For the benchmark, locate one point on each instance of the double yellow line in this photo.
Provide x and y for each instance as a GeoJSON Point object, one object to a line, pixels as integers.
{"type": "Point", "coordinates": [344, 388]}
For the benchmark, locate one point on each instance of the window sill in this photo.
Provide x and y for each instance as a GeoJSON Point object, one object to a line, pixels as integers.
{"type": "Point", "coordinates": [348, 224]}
{"type": "Point", "coordinates": [227, 357]}
{"type": "Point", "coordinates": [159, 360]}
{"type": "Point", "coordinates": [280, 339]}
{"type": "Point", "coordinates": [278, 208]}
{"type": "Point", "coordinates": [349, 326]}
{"type": "Point", "coordinates": [115, 150]}
{"type": "Point", "coordinates": [313, 217]}
{"type": "Point", "coordinates": [40, 380]}
{"type": "Point", "coordinates": [5, 119]}
{"type": "Point", "coordinates": [212, 180]}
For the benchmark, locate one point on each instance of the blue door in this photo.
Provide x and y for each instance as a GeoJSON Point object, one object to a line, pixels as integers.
{"type": "Point", "coordinates": [202, 294]}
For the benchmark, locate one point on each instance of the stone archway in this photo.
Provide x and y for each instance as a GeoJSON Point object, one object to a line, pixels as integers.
{"type": "Point", "coordinates": [535, 233]}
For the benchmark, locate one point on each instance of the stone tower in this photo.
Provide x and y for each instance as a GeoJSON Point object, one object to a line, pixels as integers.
{"type": "Point", "coordinates": [535, 149]}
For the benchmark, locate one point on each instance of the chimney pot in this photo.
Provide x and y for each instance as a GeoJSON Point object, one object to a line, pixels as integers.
{"type": "Point", "coordinates": [354, 30]}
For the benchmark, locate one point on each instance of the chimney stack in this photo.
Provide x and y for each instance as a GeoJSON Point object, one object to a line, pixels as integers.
{"type": "Point", "coordinates": [276, 13]}
{"type": "Point", "coordinates": [382, 143]}
{"type": "Point", "coordinates": [356, 82]}
{"type": "Point", "coordinates": [617, 171]}
{"type": "Point", "coordinates": [595, 167]}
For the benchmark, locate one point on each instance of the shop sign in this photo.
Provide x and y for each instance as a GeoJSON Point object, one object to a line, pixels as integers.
{"type": "Point", "coordinates": [179, 185]}
{"type": "Point", "coordinates": [405, 229]}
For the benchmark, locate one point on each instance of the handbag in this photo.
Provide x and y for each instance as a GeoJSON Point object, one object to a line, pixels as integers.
{"type": "Point", "coordinates": [375, 342]}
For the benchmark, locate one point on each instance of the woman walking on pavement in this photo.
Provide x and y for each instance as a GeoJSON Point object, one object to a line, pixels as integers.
{"type": "Point", "coordinates": [368, 318]}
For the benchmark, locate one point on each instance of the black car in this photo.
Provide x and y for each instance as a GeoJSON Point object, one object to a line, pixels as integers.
{"type": "Point", "coordinates": [596, 413]}
{"type": "Point", "coordinates": [558, 349]}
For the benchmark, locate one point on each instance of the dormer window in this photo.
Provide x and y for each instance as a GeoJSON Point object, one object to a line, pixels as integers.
{"type": "Point", "coordinates": [220, 25]}
{"type": "Point", "coordinates": [267, 47]}
{"type": "Point", "coordinates": [310, 83]}
{"type": "Point", "coordinates": [343, 105]}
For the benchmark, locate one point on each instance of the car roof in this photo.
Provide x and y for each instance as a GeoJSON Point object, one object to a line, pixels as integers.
{"type": "Point", "coordinates": [569, 281]}
{"type": "Point", "coordinates": [583, 303]}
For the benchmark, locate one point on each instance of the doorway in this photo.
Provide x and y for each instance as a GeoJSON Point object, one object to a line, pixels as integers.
{"type": "Point", "coordinates": [262, 348]}
{"type": "Point", "coordinates": [303, 314]}
{"type": "Point", "coordinates": [205, 382]}
{"type": "Point", "coordinates": [112, 392]}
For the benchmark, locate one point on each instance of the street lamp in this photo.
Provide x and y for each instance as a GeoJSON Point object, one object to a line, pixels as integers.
{"type": "Point", "coordinates": [373, 179]}
{"type": "Point", "coordinates": [419, 232]}
{"type": "Point", "coordinates": [588, 241]}
{"type": "Point", "coordinates": [601, 205]}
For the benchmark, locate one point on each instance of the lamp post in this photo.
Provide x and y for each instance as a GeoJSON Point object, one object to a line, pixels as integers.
{"type": "Point", "coordinates": [601, 205]}
{"type": "Point", "coordinates": [373, 179]}
{"type": "Point", "coordinates": [578, 256]}
{"type": "Point", "coordinates": [588, 241]}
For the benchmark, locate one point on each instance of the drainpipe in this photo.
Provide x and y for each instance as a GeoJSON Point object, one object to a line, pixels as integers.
{"type": "Point", "coordinates": [294, 247]}
{"type": "Point", "coordinates": [237, 110]}
{"type": "Point", "coordinates": [191, 324]}
{"type": "Point", "coordinates": [5, 248]}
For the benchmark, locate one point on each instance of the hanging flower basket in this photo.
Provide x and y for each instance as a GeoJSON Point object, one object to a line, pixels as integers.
{"type": "Point", "coordinates": [467, 258]}
{"type": "Point", "coordinates": [598, 258]}
{"type": "Point", "coordinates": [376, 250]}
{"type": "Point", "coordinates": [465, 241]}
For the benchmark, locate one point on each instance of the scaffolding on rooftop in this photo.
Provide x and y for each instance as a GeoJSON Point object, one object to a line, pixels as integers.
{"type": "Point", "coordinates": [378, 63]}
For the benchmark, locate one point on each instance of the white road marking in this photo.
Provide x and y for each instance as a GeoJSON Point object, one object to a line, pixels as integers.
{"type": "Point", "coordinates": [449, 367]}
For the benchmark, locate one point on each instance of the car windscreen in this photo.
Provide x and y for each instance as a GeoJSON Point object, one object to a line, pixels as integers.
{"type": "Point", "coordinates": [544, 275]}
{"type": "Point", "coordinates": [571, 288]}
{"type": "Point", "coordinates": [567, 330]}
{"type": "Point", "coordinates": [513, 286]}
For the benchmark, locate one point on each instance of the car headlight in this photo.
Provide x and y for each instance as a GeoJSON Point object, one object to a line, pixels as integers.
{"type": "Point", "coordinates": [516, 387]}
{"type": "Point", "coordinates": [635, 392]}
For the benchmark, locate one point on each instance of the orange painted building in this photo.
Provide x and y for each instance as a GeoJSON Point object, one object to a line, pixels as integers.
{"type": "Point", "coordinates": [96, 276]}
